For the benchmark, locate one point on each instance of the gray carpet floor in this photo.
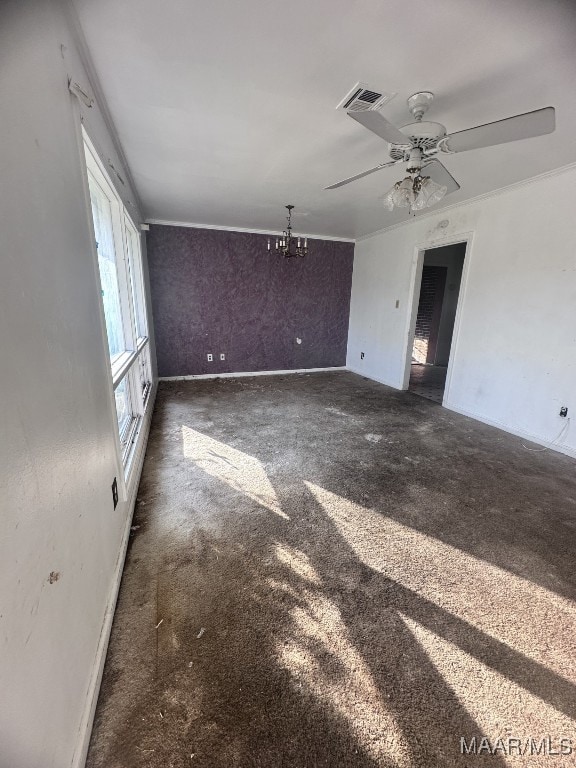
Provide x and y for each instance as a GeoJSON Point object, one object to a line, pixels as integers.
{"type": "Point", "coordinates": [326, 572]}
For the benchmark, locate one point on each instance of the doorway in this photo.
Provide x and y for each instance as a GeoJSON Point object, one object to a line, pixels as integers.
{"type": "Point", "coordinates": [435, 317]}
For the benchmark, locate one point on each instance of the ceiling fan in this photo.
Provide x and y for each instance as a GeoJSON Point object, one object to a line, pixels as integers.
{"type": "Point", "coordinates": [418, 142]}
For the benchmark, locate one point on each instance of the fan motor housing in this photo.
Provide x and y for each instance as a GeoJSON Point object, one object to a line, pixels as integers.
{"type": "Point", "coordinates": [425, 135]}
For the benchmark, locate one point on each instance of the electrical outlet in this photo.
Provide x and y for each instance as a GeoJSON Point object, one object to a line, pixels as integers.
{"type": "Point", "coordinates": [564, 411]}
{"type": "Point", "coordinates": [115, 492]}
{"type": "Point", "coordinates": [361, 355]}
{"type": "Point", "coordinates": [222, 356]}
{"type": "Point", "coordinates": [210, 357]}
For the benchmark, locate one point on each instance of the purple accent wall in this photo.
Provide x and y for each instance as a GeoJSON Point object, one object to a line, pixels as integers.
{"type": "Point", "coordinates": [216, 291]}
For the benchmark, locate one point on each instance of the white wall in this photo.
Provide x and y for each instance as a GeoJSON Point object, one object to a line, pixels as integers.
{"type": "Point", "coordinates": [513, 360]}
{"type": "Point", "coordinates": [57, 448]}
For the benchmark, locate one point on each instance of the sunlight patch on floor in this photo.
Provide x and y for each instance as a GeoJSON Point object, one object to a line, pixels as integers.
{"type": "Point", "coordinates": [297, 561]}
{"type": "Point", "coordinates": [239, 470]}
{"type": "Point", "coordinates": [528, 618]}
{"type": "Point", "coordinates": [501, 708]}
{"type": "Point", "coordinates": [321, 659]}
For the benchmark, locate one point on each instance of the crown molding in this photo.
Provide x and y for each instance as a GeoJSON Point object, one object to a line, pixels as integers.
{"type": "Point", "coordinates": [434, 212]}
{"type": "Point", "coordinates": [86, 59]}
{"type": "Point", "coordinates": [272, 233]}
{"type": "Point", "coordinates": [473, 200]}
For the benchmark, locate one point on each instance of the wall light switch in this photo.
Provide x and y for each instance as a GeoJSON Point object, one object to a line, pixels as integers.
{"type": "Point", "coordinates": [210, 357]}
{"type": "Point", "coordinates": [222, 356]}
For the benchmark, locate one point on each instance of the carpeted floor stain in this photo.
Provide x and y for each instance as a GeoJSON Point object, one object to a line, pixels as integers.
{"type": "Point", "coordinates": [327, 572]}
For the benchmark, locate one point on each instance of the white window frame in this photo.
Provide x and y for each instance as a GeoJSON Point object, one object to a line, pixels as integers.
{"type": "Point", "coordinates": [127, 365]}
{"type": "Point", "coordinates": [136, 280]}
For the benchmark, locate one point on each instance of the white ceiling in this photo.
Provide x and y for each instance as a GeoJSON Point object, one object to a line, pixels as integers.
{"type": "Point", "coordinates": [226, 110]}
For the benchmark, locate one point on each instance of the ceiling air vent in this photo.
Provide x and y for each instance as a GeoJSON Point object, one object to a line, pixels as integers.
{"type": "Point", "coordinates": [362, 98]}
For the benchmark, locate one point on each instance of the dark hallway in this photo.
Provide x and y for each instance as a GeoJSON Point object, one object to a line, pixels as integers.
{"type": "Point", "coordinates": [436, 315]}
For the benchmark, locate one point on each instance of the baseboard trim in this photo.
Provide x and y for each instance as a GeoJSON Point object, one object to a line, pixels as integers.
{"type": "Point", "coordinates": [86, 723]}
{"type": "Point", "coordinates": [245, 374]}
{"type": "Point", "coordinates": [559, 448]}
{"type": "Point", "coordinates": [358, 372]}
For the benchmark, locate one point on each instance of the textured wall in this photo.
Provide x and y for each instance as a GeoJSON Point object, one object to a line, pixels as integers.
{"type": "Point", "coordinates": [216, 291]}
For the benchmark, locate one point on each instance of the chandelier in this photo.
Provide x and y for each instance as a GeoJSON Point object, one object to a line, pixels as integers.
{"type": "Point", "coordinates": [414, 192]}
{"type": "Point", "coordinates": [287, 244]}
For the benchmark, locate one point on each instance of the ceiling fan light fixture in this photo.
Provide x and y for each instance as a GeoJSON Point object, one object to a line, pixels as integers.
{"type": "Point", "coordinates": [429, 193]}
{"type": "Point", "coordinates": [415, 193]}
{"type": "Point", "coordinates": [389, 199]}
{"type": "Point", "coordinates": [403, 198]}
{"type": "Point", "coordinates": [403, 195]}
{"type": "Point", "coordinates": [434, 192]}
{"type": "Point", "coordinates": [418, 143]}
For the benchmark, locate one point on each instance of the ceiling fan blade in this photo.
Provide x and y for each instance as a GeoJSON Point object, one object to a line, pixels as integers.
{"type": "Point", "coordinates": [360, 175]}
{"type": "Point", "coordinates": [441, 175]}
{"type": "Point", "coordinates": [377, 123]}
{"type": "Point", "coordinates": [524, 126]}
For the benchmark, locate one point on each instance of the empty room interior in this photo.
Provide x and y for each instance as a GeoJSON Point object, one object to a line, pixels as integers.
{"type": "Point", "coordinates": [288, 333]}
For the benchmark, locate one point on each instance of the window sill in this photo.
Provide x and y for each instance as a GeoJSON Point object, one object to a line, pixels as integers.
{"type": "Point", "coordinates": [122, 365]}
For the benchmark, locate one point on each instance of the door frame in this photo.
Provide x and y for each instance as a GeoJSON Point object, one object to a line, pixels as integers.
{"type": "Point", "coordinates": [414, 297]}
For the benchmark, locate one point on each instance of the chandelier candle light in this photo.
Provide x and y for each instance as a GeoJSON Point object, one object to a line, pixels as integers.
{"type": "Point", "coordinates": [287, 244]}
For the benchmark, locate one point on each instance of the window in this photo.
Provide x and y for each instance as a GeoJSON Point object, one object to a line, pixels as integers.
{"type": "Point", "coordinates": [136, 279]}
{"type": "Point", "coordinates": [123, 409]}
{"type": "Point", "coordinates": [103, 229]}
{"type": "Point", "coordinates": [123, 302]}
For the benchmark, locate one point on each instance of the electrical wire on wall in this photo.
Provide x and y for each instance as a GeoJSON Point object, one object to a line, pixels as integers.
{"type": "Point", "coordinates": [554, 442]}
